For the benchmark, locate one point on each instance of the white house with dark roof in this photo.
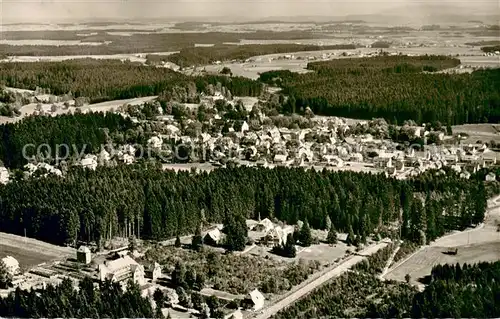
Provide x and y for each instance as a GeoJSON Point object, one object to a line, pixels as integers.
{"type": "Point", "coordinates": [122, 269]}
{"type": "Point", "coordinates": [213, 237]}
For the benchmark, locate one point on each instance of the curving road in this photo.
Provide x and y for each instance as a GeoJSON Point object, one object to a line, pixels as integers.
{"type": "Point", "coordinates": [327, 275]}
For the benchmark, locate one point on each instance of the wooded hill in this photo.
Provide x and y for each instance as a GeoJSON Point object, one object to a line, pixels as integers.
{"type": "Point", "coordinates": [206, 55]}
{"type": "Point", "coordinates": [455, 291]}
{"type": "Point", "coordinates": [105, 80]}
{"type": "Point", "coordinates": [151, 203]}
{"type": "Point", "coordinates": [490, 49]}
{"type": "Point", "coordinates": [85, 132]}
{"type": "Point", "coordinates": [62, 301]}
{"type": "Point", "coordinates": [145, 42]}
{"type": "Point", "coordinates": [396, 88]}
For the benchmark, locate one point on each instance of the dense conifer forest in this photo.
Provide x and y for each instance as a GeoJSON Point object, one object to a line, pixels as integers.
{"type": "Point", "coordinates": [351, 296]}
{"type": "Point", "coordinates": [396, 88]}
{"type": "Point", "coordinates": [81, 132]}
{"type": "Point", "coordinates": [62, 301]}
{"type": "Point", "coordinates": [454, 291]}
{"type": "Point", "coordinates": [490, 49]}
{"type": "Point", "coordinates": [104, 80]}
{"type": "Point", "coordinates": [460, 291]}
{"type": "Point", "coordinates": [135, 42]}
{"type": "Point", "coordinates": [151, 203]}
{"type": "Point", "coordinates": [207, 55]}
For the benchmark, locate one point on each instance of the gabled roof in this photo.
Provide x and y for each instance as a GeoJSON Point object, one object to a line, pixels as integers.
{"type": "Point", "coordinates": [120, 263]}
{"type": "Point", "coordinates": [151, 266]}
{"type": "Point", "coordinates": [83, 249]}
{"type": "Point", "coordinates": [215, 234]}
{"type": "Point", "coordinates": [266, 223]}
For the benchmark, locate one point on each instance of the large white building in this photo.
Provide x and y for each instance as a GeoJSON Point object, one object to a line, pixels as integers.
{"type": "Point", "coordinates": [12, 264]}
{"type": "Point", "coordinates": [122, 269]}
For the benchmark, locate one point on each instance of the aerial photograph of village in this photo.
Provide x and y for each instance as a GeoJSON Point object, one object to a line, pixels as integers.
{"type": "Point", "coordinates": [249, 159]}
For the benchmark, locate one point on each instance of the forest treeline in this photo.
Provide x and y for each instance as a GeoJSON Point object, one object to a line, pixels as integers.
{"type": "Point", "coordinates": [151, 203]}
{"type": "Point", "coordinates": [483, 43]}
{"type": "Point", "coordinates": [62, 301]}
{"type": "Point", "coordinates": [455, 291]}
{"type": "Point", "coordinates": [396, 88]}
{"type": "Point", "coordinates": [207, 55]}
{"type": "Point", "coordinates": [490, 49]}
{"type": "Point", "coordinates": [134, 42]}
{"type": "Point", "coordinates": [83, 133]}
{"type": "Point", "coordinates": [460, 291]}
{"type": "Point", "coordinates": [104, 80]}
{"type": "Point", "coordinates": [352, 295]}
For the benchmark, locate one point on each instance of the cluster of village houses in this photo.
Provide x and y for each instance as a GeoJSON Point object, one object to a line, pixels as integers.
{"type": "Point", "coordinates": [120, 266]}
{"type": "Point", "coordinates": [326, 144]}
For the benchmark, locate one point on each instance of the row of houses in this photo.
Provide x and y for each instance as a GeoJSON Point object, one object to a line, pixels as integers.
{"type": "Point", "coordinates": [269, 233]}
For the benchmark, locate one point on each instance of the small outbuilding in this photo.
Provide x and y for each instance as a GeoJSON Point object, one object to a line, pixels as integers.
{"type": "Point", "coordinates": [83, 255]}
{"type": "Point", "coordinates": [213, 237]}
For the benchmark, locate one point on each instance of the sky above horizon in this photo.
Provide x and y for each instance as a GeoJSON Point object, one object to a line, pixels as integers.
{"type": "Point", "coordinates": [50, 11]}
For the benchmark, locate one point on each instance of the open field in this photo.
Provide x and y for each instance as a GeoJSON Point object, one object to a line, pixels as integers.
{"type": "Point", "coordinates": [133, 57]}
{"type": "Point", "coordinates": [324, 253]}
{"type": "Point", "coordinates": [468, 56]}
{"type": "Point", "coordinates": [204, 167]}
{"type": "Point", "coordinates": [49, 42]}
{"type": "Point", "coordinates": [30, 252]}
{"type": "Point", "coordinates": [479, 132]}
{"type": "Point", "coordinates": [421, 264]}
{"type": "Point", "coordinates": [85, 27]}
{"type": "Point", "coordinates": [29, 109]}
{"type": "Point", "coordinates": [474, 245]}
{"type": "Point", "coordinates": [106, 106]}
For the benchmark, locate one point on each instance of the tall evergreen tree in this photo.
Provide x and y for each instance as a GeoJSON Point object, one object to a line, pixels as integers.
{"type": "Point", "coordinates": [332, 236]}
{"type": "Point", "coordinates": [197, 241]}
{"type": "Point", "coordinates": [179, 275]}
{"type": "Point", "coordinates": [236, 232]}
{"type": "Point", "coordinates": [305, 234]}
{"type": "Point", "coordinates": [328, 222]}
{"type": "Point", "coordinates": [177, 241]}
{"type": "Point", "coordinates": [351, 238]}
{"type": "Point", "coordinates": [5, 275]}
